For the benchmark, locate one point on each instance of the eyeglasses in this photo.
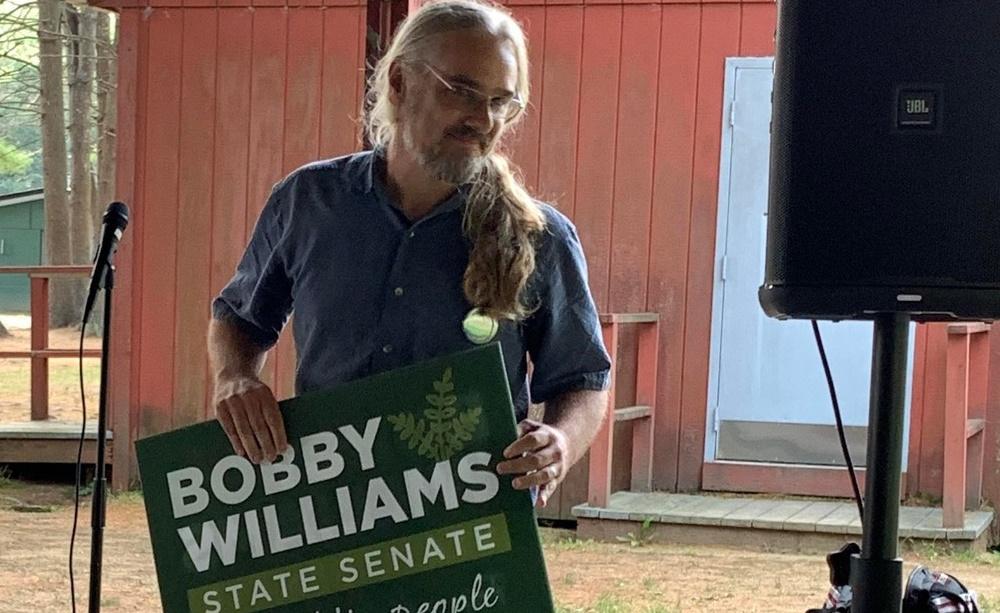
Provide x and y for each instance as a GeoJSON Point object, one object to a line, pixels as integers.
{"type": "Point", "coordinates": [471, 99]}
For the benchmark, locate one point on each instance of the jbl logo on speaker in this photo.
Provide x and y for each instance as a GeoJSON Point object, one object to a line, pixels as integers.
{"type": "Point", "coordinates": [917, 109]}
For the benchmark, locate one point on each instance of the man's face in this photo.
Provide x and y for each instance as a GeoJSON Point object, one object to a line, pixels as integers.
{"type": "Point", "coordinates": [453, 110]}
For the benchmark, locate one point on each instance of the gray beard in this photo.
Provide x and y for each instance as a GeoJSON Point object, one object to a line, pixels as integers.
{"type": "Point", "coordinates": [456, 171]}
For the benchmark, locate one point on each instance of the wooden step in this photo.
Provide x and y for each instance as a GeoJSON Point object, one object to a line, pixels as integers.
{"type": "Point", "coordinates": [50, 442]}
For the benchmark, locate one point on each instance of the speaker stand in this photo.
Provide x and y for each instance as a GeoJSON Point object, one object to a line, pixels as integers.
{"type": "Point", "coordinates": [877, 573]}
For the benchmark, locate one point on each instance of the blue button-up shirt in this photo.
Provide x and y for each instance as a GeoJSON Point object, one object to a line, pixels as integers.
{"type": "Point", "coordinates": [372, 291]}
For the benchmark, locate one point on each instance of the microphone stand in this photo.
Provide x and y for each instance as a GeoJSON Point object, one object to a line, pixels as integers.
{"type": "Point", "coordinates": [877, 573]}
{"type": "Point", "coordinates": [98, 508]}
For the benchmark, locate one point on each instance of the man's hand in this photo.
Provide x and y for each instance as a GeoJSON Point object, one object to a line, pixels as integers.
{"type": "Point", "coordinates": [540, 457]}
{"type": "Point", "coordinates": [543, 453]}
{"type": "Point", "coordinates": [249, 414]}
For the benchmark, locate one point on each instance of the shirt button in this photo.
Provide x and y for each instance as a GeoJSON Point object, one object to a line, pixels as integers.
{"type": "Point", "coordinates": [387, 349]}
{"type": "Point", "coordinates": [398, 291]}
{"type": "Point", "coordinates": [412, 234]}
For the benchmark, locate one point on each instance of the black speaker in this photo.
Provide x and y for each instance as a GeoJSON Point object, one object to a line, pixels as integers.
{"type": "Point", "coordinates": [885, 161]}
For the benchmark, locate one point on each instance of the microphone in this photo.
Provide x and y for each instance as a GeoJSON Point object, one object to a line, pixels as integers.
{"type": "Point", "coordinates": [114, 222]}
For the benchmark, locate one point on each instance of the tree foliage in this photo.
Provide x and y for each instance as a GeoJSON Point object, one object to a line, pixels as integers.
{"type": "Point", "coordinates": [20, 152]}
{"type": "Point", "coordinates": [13, 161]}
{"type": "Point", "coordinates": [57, 92]}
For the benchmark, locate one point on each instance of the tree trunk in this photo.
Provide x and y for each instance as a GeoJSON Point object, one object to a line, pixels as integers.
{"type": "Point", "coordinates": [103, 187]}
{"type": "Point", "coordinates": [63, 300]}
{"type": "Point", "coordinates": [106, 113]}
{"type": "Point", "coordinates": [83, 29]}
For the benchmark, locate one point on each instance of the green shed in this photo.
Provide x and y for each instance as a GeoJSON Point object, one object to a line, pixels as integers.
{"type": "Point", "coordinates": [22, 221]}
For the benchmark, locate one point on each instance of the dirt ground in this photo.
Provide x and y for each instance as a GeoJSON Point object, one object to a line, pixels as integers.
{"type": "Point", "coordinates": [586, 577]}
{"type": "Point", "coordinates": [64, 382]}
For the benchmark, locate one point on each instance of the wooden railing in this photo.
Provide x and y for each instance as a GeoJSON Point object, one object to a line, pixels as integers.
{"type": "Point", "coordinates": [964, 419]}
{"type": "Point", "coordinates": [40, 353]}
{"type": "Point", "coordinates": [642, 414]}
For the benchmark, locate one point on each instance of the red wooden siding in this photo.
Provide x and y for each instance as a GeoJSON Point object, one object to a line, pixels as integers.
{"type": "Point", "coordinates": [559, 116]}
{"type": "Point", "coordinates": [630, 114]}
{"type": "Point", "coordinates": [269, 40]}
{"type": "Point", "coordinates": [193, 283]}
{"type": "Point", "coordinates": [217, 104]}
{"type": "Point", "coordinates": [930, 383]}
{"type": "Point", "coordinates": [122, 6]}
{"type": "Point", "coordinates": [595, 163]}
{"type": "Point", "coordinates": [991, 440]}
{"type": "Point", "coordinates": [123, 375]}
{"type": "Point", "coordinates": [218, 101]}
{"type": "Point", "coordinates": [927, 422]}
{"type": "Point", "coordinates": [526, 139]}
{"type": "Point", "coordinates": [915, 441]}
{"type": "Point", "coordinates": [634, 92]}
{"type": "Point", "coordinates": [156, 206]}
{"type": "Point", "coordinates": [669, 233]}
{"type": "Point", "coordinates": [232, 152]}
{"type": "Point", "coordinates": [720, 35]}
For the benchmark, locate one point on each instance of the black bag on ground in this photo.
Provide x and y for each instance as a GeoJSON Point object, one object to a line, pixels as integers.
{"type": "Point", "coordinates": [927, 591]}
{"type": "Point", "coordinates": [839, 598]}
{"type": "Point", "coordinates": [930, 591]}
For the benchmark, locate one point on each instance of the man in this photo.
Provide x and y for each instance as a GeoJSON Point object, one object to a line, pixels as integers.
{"type": "Point", "coordinates": [425, 246]}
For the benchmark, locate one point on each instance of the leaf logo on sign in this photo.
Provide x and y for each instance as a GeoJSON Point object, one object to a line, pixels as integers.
{"type": "Point", "coordinates": [443, 431]}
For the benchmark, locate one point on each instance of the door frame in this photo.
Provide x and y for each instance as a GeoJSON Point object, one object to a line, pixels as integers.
{"type": "Point", "coordinates": [733, 65]}
{"type": "Point", "coordinates": [720, 475]}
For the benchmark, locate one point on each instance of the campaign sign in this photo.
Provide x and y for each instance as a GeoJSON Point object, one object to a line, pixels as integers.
{"type": "Point", "coordinates": [387, 502]}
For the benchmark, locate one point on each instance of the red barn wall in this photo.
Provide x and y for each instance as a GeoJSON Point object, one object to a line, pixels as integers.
{"type": "Point", "coordinates": [217, 103]}
{"type": "Point", "coordinates": [625, 137]}
{"type": "Point", "coordinates": [219, 99]}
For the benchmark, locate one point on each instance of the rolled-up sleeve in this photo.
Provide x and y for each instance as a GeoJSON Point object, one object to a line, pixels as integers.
{"type": "Point", "coordinates": [258, 299]}
{"type": "Point", "coordinates": [564, 333]}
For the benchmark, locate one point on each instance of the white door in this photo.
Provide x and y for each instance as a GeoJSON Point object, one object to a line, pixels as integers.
{"type": "Point", "coordinates": [768, 398]}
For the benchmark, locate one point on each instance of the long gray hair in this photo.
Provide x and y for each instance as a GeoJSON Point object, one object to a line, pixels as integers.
{"type": "Point", "coordinates": [501, 219]}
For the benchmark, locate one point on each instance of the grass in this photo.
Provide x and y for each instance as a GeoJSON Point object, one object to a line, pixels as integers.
{"type": "Point", "coordinates": [16, 378]}
{"type": "Point", "coordinates": [608, 603]}
{"type": "Point", "coordinates": [565, 540]}
{"type": "Point", "coordinates": [65, 373]}
{"type": "Point", "coordinates": [134, 496]}
{"type": "Point", "coordinates": [612, 603]}
{"type": "Point", "coordinates": [641, 537]}
{"type": "Point", "coordinates": [939, 556]}
{"type": "Point", "coordinates": [64, 388]}
{"type": "Point", "coordinates": [934, 552]}
{"type": "Point", "coordinates": [581, 575]}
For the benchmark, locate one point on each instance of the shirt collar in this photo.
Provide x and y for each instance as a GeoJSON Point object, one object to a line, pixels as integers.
{"type": "Point", "coordinates": [374, 184]}
{"type": "Point", "coordinates": [375, 156]}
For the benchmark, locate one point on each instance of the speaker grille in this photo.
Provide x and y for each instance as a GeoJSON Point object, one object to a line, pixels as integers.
{"type": "Point", "coordinates": [856, 198]}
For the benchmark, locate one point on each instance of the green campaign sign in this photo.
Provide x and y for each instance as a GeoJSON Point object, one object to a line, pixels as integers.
{"type": "Point", "coordinates": [387, 502]}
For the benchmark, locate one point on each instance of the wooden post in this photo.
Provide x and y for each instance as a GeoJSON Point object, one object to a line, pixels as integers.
{"type": "Point", "coordinates": [645, 395]}
{"type": "Point", "coordinates": [991, 431]}
{"type": "Point", "coordinates": [965, 419]}
{"type": "Point", "coordinates": [955, 422]}
{"type": "Point", "coordinates": [979, 363]}
{"type": "Point", "coordinates": [39, 342]}
{"type": "Point", "coordinates": [601, 451]}
{"type": "Point", "coordinates": [130, 142]}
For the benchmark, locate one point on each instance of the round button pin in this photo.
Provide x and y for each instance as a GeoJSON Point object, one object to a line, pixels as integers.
{"type": "Point", "coordinates": [479, 327]}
